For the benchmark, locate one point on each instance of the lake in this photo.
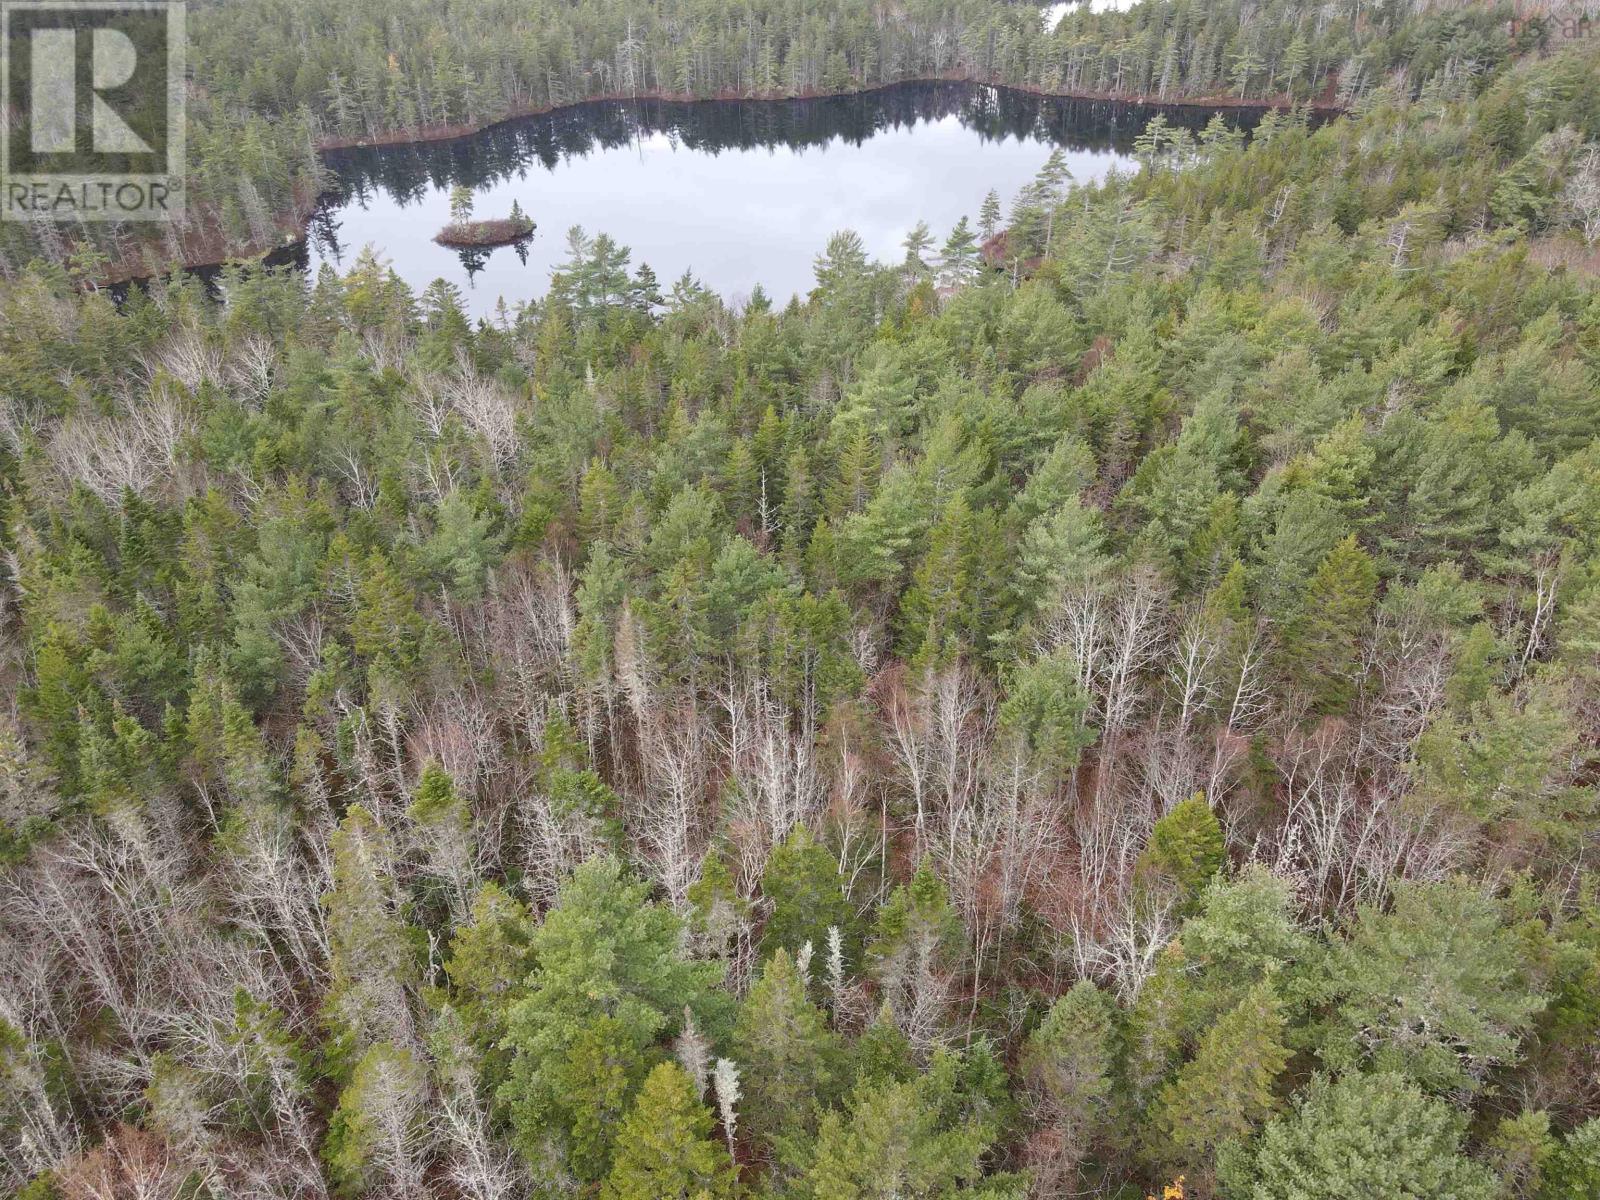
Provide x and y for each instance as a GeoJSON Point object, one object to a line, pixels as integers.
{"type": "Point", "coordinates": [738, 192]}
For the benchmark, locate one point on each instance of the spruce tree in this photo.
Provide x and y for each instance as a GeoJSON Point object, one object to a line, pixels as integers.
{"type": "Point", "coordinates": [1322, 648]}
{"type": "Point", "coordinates": [665, 1148]}
{"type": "Point", "coordinates": [1227, 1089]}
{"type": "Point", "coordinates": [1068, 1065]}
{"type": "Point", "coordinates": [789, 1058]}
{"type": "Point", "coordinates": [802, 888]}
{"type": "Point", "coordinates": [1186, 850]}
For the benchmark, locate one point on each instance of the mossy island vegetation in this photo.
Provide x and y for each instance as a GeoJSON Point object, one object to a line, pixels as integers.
{"type": "Point", "coordinates": [498, 231]}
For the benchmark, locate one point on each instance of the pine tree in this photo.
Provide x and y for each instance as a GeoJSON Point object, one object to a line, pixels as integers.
{"type": "Point", "coordinates": [460, 205]}
{"type": "Point", "coordinates": [665, 1147]}
{"type": "Point", "coordinates": [462, 547]}
{"type": "Point", "coordinates": [1156, 1026]}
{"type": "Point", "coordinates": [958, 260]}
{"type": "Point", "coordinates": [1060, 550]}
{"type": "Point", "coordinates": [609, 986]}
{"type": "Point", "coordinates": [1246, 930]}
{"type": "Point", "coordinates": [881, 403]}
{"type": "Point", "coordinates": [915, 952]}
{"type": "Point", "coordinates": [719, 918]}
{"type": "Point", "coordinates": [1186, 849]}
{"type": "Point", "coordinates": [919, 1138]}
{"type": "Point", "coordinates": [1438, 986]}
{"type": "Point", "coordinates": [646, 292]}
{"type": "Point", "coordinates": [802, 886]}
{"type": "Point", "coordinates": [1295, 58]}
{"type": "Point", "coordinates": [1322, 647]}
{"type": "Point", "coordinates": [789, 1055]}
{"type": "Point", "coordinates": [1573, 1168]}
{"type": "Point", "coordinates": [1361, 1135]}
{"type": "Point", "coordinates": [917, 244]}
{"type": "Point", "coordinates": [1227, 1089]}
{"type": "Point", "coordinates": [1068, 1067]}
{"type": "Point", "coordinates": [1519, 1148]}
{"type": "Point", "coordinates": [740, 481]}
{"type": "Point", "coordinates": [989, 215]}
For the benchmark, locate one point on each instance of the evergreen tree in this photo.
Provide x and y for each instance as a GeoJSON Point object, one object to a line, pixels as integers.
{"type": "Point", "coordinates": [1060, 550]}
{"type": "Point", "coordinates": [882, 1054]}
{"type": "Point", "coordinates": [372, 952]}
{"type": "Point", "coordinates": [386, 627]}
{"type": "Point", "coordinates": [489, 962]}
{"type": "Point", "coordinates": [376, 1132]}
{"type": "Point", "coordinates": [1246, 931]}
{"type": "Point", "coordinates": [719, 918]}
{"type": "Point", "coordinates": [789, 1056]}
{"type": "Point", "coordinates": [1068, 1065]}
{"type": "Point", "coordinates": [646, 293]}
{"type": "Point", "coordinates": [1227, 1089]}
{"type": "Point", "coordinates": [1185, 850]}
{"type": "Point", "coordinates": [802, 887]}
{"type": "Point", "coordinates": [1361, 1135]}
{"type": "Point", "coordinates": [460, 205]}
{"type": "Point", "coordinates": [1436, 987]}
{"type": "Point", "coordinates": [936, 610]}
{"type": "Point", "coordinates": [917, 244]}
{"type": "Point", "coordinates": [608, 988]}
{"type": "Point", "coordinates": [915, 950]}
{"type": "Point", "coordinates": [1322, 647]}
{"type": "Point", "coordinates": [1046, 711]}
{"type": "Point", "coordinates": [1573, 1167]}
{"type": "Point", "coordinates": [958, 259]}
{"type": "Point", "coordinates": [665, 1149]}
{"type": "Point", "coordinates": [905, 1139]}
{"type": "Point", "coordinates": [462, 547]}
{"type": "Point", "coordinates": [989, 215]}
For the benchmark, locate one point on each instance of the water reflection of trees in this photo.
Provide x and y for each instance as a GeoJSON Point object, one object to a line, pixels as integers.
{"type": "Point", "coordinates": [511, 149]}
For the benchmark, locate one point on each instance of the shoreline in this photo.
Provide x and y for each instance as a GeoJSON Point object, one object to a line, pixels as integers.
{"type": "Point", "coordinates": [293, 227]}
{"type": "Point", "coordinates": [425, 134]}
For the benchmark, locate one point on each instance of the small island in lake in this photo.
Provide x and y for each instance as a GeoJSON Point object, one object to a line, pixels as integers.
{"type": "Point", "coordinates": [464, 232]}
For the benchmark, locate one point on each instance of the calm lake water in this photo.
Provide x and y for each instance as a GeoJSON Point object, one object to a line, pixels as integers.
{"type": "Point", "coordinates": [740, 193]}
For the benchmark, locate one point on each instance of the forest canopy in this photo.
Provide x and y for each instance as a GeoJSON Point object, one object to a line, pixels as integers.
{"type": "Point", "coordinates": [1106, 704]}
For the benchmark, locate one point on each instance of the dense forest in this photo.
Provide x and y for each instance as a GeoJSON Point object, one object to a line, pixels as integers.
{"type": "Point", "coordinates": [273, 80]}
{"type": "Point", "coordinates": [1106, 705]}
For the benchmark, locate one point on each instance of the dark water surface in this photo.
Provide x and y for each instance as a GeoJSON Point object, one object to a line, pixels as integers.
{"type": "Point", "coordinates": [738, 192]}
